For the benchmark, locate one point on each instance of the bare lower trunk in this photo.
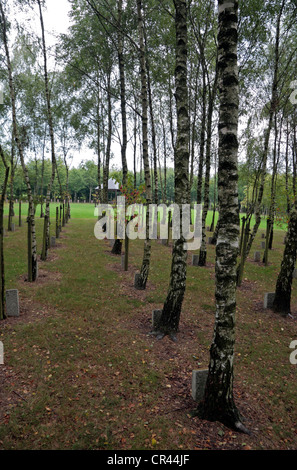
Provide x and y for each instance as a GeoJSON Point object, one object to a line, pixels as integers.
{"type": "Point", "coordinates": [282, 300]}
{"type": "Point", "coordinates": [2, 270]}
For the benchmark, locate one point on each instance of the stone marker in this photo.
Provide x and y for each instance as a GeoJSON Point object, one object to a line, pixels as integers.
{"type": "Point", "coordinates": [123, 260]}
{"type": "Point", "coordinates": [164, 241]}
{"type": "Point", "coordinates": [12, 303]}
{"type": "Point", "coordinates": [263, 244]}
{"type": "Point", "coordinates": [195, 260]}
{"type": "Point", "coordinates": [111, 241]}
{"type": "Point", "coordinates": [4, 232]}
{"type": "Point", "coordinates": [136, 281]}
{"type": "Point", "coordinates": [268, 299]}
{"type": "Point", "coordinates": [257, 256]}
{"type": "Point", "coordinates": [53, 241]}
{"type": "Point", "coordinates": [12, 226]}
{"type": "Point", "coordinates": [156, 315]}
{"type": "Point", "coordinates": [1, 353]}
{"type": "Point", "coordinates": [199, 378]}
{"type": "Point", "coordinates": [263, 235]}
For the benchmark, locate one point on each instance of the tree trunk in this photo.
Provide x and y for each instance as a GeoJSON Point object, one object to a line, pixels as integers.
{"type": "Point", "coordinates": [202, 138]}
{"type": "Point", "coordinates": [218, 403]}
{"type": "Point", "coordinates": [11, 198]}
{"type": "Point", "coordinates": [169, 321]}
{"type": "Point", "coordinates": [46, 233]}
{"type": "Point", "coordinates": [282, 300]}
{"type": "Point", "coordinates": [2, 269]}
{"type": "Point", "coordinates": [147, 242]}
{"type": "Point", "coordinates": [212, 95]}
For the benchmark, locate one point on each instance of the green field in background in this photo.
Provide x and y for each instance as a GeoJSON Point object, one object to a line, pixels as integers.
{"type": "Point", "coordinates": [87, 211]}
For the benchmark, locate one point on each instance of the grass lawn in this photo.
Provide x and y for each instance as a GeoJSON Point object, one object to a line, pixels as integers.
{"type": "Point", "coordinates": [87, 211]}
{"type": "Point", "coordinates": [82, 372]}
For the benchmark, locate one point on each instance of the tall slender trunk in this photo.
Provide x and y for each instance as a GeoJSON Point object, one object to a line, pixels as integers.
{"type": "Point", "coordinates": [282, 299]}
{"type": "Point", "coordinates": [214, 197]}
{"type": "Point", "coordinates": [11, 181]}
{"type": "Point", "coordinates": [46, 239]}
{"type": "Point", "coordinates": [123, 92]}
{"type": "Point", "coordinates": [135, 150]}
{"type": "Point", "coordinates": [287, 169]}
{"type": "Point", "coordinates": [212, 94]}
{"type": "Point", "coordinates": [169, 321]}
{"type": "Point", "coordinates": [193, 133]}
{"type": "Point", "coordinates": [152, 120]}
{"type": "Point", "coordinates": [202, 137]}
{"type": "Point", "coordinates": [117, 247]}
{"type": "Point", "coordinates": [42, 179]}
{"type": "Point", "coordinates": [2, 269]}
{"type": "Point", "coordinates": [218, 403]}
{"type": "Point", "coordinates": [144, 272]}
{"type": "Point", "coordinates": [108, 143]}
{"type": "Point", "coordinates": [98, 136]}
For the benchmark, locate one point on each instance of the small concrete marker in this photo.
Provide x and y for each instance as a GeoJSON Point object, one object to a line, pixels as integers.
{"type": "Point", "coordinates": [1, 353]}
{"type": "Point", "coordinates": [268, 299]}
{"type": "Point", "coordinates": [263, 235]}
{"type": "Point", "coordinates": [136, 282]}
{"type": "Point", "coordinates": [53, 241]}
{"type": "Point", "coordinates": [199, 378]}
{"type": "Point", "coordinates": [111, 241]}
{"type": "Point", "coordinates": [156, 316]}
{"type": "Point", "coordinates": [12, 303]}
{"type": "Point", "coordinates": [257, 256]}
{"type": "Point", "coordinates": [123, 260]}
{"type": "Point", "coordinates": [195, 260]}
{"type": "Point", "coordinates": [12, 227]}
{"type": "Point", "coordinates": [263, 244]}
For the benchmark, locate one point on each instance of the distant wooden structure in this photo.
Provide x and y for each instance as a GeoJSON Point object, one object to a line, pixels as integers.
{"type": "Point", "coordinates": [113, 189]}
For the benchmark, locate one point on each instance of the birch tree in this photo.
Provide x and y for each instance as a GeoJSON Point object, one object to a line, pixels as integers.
{"type": "Point", "coordinates": [144, 271]}
{"type": "Point", "coordinates": [218, 403]}
{"type": "Point", "coordinates": [169, 321]}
